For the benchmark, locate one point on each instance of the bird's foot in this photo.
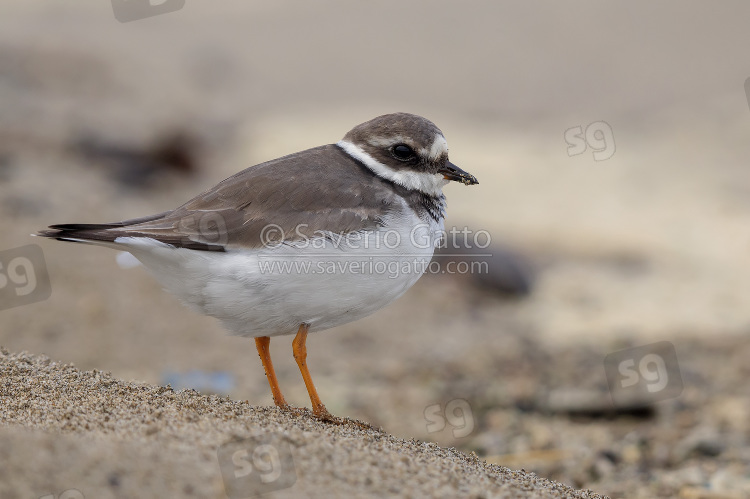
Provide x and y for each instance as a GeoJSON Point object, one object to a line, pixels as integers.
{"type": "Point", "coordinates": [322, 414]}
{"type": "Point", "coordinates": [297, 411]}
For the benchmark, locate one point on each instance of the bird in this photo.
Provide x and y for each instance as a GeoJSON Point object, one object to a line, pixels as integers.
{"type": "Point", "coordinates": [302, 243]}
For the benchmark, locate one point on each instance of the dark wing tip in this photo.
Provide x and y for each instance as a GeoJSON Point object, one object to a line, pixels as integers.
{"type": "Point", "coordinates": [66, 229]}
{"type": "Point", "coordinates": [52, 231]}
{"type": "Point", "coordinates": [98, 233]}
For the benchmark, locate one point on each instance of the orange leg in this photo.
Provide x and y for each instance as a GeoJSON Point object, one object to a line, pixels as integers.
{"type": "Point", "coordinates": [300, 355]}
{"type": "Point", "coordinates": [262, 344]}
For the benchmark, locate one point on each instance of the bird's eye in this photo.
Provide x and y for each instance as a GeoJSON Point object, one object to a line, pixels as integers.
{"type": "Point", "coordinates": [403, 152]}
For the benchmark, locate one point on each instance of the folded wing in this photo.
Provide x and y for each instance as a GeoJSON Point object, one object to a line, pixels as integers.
{"type": "Point", "coordinates": [308, 194]}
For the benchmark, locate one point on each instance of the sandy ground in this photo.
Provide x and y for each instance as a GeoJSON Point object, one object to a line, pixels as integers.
{"type": "Point", "coordinates": [94, 425]}
{"type": "Point", "coordinates": [650, 245]}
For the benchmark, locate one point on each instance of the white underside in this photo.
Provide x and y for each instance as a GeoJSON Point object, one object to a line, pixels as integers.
{"type": "Point", "coordinates": [253, 301]}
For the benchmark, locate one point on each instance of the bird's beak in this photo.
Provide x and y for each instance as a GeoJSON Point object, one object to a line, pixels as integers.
{"type": "Point", "coordinates": [452, 172]}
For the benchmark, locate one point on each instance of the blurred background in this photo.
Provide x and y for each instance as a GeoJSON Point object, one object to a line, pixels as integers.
{"type": "Point", "coordinates": [611, 145]}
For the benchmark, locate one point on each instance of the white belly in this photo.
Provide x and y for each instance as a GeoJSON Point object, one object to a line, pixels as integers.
{"type": "Point", "coordinates": [322, 282]}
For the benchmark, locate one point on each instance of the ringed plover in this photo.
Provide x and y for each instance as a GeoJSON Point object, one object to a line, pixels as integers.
{"type": "Point", "coordinates": [302, 243]}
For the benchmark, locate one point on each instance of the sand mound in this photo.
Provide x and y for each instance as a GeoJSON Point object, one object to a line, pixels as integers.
{"type": "Point", "coordinates": [85, 434]}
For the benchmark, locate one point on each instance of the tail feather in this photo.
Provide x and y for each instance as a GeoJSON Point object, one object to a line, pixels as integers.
{"type": "Point", "coordinates": [107, 233]}
{"type": "Point", "coordinates": [78, 236]}
{"type": "Point", "coordinates": [81, 233]}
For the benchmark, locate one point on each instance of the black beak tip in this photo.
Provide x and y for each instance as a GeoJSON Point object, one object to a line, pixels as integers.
{"type": "Point", "coordinates": [470, 180]}
{"type": "Point", "coordinates": [452, 172]}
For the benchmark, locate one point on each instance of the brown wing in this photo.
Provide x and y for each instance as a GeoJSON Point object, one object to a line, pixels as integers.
{"type": "Point", "coordinates": [303, 195]}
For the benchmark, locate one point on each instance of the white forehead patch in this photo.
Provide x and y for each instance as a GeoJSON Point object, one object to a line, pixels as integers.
{"type": "Point", "coordinates": [429, 183]}
{"type": "Point", "coordinates": [439, 148]}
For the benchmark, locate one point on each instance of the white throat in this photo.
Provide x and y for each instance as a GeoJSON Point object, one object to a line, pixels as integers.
{"type": "Point", "coordinates": [428, 183]}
